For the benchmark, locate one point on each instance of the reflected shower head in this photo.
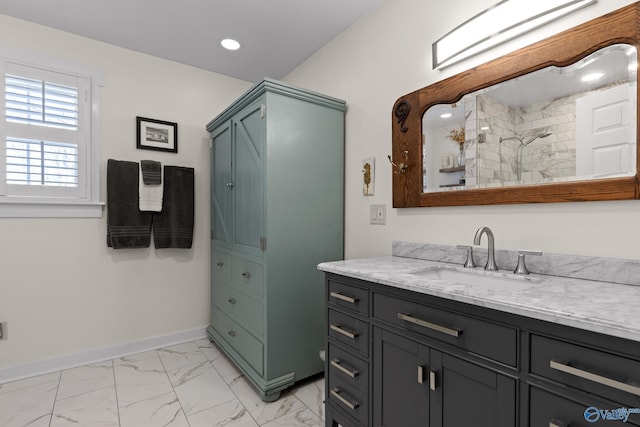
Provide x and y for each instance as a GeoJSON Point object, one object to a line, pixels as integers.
{"type": "Point", "coordinates": [541, 135]}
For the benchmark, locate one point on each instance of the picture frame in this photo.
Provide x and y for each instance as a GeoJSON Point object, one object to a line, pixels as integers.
{"type": "Point", "coordinates": [156, 135]}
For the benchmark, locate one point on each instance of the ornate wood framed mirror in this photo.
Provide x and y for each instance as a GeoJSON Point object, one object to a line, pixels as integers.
{"type": "Point", "coordinates": [526, 128]}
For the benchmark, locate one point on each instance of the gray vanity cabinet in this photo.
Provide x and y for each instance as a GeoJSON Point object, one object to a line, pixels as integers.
{"type": "Point", "coordinates": [277, 161]}
{"type": "Point", "coordinates": [417, 385]}
{"type": "Point", "coordinates": [399, 358]}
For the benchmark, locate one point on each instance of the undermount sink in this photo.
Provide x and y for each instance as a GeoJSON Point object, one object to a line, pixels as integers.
{"type": "Point", "coordinates": [477, 278]}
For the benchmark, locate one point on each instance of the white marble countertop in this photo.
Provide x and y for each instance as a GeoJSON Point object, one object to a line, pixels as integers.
{"type": "Point", "coordinates": [597, 306]}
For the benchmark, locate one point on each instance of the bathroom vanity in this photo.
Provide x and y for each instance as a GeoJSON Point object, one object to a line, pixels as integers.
{"type": "Point", "coordinates": [415, 339]}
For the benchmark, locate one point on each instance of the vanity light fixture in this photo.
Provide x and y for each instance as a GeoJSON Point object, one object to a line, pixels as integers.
{"type": "Point", "coordinates": [591, 77]}
{"type": "Point", "coordinates": [230, 44]}
{"type": "Point", "coordinates": [500, 23]}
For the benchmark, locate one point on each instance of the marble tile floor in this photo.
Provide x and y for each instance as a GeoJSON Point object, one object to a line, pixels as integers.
{"type": "Point", "coordinates": [186, 385]}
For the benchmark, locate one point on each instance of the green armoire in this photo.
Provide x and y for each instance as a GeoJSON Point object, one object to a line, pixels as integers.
{"type": "Point", "coordinates": [277, 211]}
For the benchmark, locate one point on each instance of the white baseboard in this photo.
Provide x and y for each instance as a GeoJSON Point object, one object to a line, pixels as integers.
{"type": "Point", "coordinates": [96, 355]}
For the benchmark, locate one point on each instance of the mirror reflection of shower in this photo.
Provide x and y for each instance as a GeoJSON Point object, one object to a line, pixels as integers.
{"type": "Point", "coordinates": [541, 134]}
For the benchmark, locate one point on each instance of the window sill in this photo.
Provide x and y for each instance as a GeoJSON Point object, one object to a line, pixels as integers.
{"type": "Point", "coordinates": [50, 209]}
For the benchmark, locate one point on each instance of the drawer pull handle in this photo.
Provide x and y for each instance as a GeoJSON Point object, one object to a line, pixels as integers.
{"type": "Point", "coordinates": [343, 297]}
{"type": "Point", "coordinates": [335, 392]}
{"type": "Point", "coordinates": [556, 423]}
{"type": "Point", "coordinates": [564, 367]}
{"type": "Point", "coordinates": [433, 380]}
{"type": "Point", "coordinates": [449, 331]}
{"type": "Point", "coordinates": [232, 334]}
{"type": "Point", "coordinates": [219, 263]}
{"type": "Point", "coordinates": [232, 301]}
{"type": "Point", "coordinates": [246, 275]}
{"type": "Point", "coordinates": [344, 332]}
{"type": "Point", "coordinates": [336, 364]}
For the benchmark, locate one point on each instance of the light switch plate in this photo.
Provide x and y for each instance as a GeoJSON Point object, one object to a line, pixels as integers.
{"type": "Point", "coordinates": [378, 214]}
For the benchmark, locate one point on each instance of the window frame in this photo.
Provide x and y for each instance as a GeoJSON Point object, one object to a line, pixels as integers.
{"type": "Point", "coordinates": [86, 203]}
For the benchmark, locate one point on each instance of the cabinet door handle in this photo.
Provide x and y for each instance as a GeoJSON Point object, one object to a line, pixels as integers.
{"type": "Point", "coordinates": [433, 380]}
{"type": "Point", "coordinates": [344, 332]}
{"type": "Point", "coordinates": [232, 301]}
{"type": "Point", "coordinates": [246, 275]}
{"type": "Point", "coordinates": [230, 185]}
{"type": "Point", "coordinates": [564, 367]}
{"type": "Point", "coordinates": [420, 374]}
{"type": "Point", "coordinates": [557, 423]}
{"type": "Point", "coordinates": [335, 392]}
{"type": "Point", "coordinates": [219, 263]}
{"type": "Point", "coordinates": [343, 297]}
{"type": "Point", "coordinates": [352, 373]}
{"type": "Point", "coordinates": [232, 334]}
{"type": "Point", "coordinates": [449, 331]}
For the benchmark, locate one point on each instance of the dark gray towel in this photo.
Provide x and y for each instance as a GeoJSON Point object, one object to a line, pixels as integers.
{"type": "Point", "coordinates": [127, 227]}
{"type": "Point", "coordinates": [151, 172]}
{"type": "Point", "coordinates": [173, 227]}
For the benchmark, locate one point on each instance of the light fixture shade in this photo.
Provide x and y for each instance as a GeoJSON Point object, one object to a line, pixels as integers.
{"type": "Point", "coordinates": [498, 24]}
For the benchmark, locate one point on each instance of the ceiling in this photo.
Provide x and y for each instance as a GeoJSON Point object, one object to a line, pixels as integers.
{"type": "Point", "coordinates": [276, 35]}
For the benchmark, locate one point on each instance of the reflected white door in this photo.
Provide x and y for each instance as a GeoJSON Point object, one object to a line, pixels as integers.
{"type": "Point", "coordinates": [605, 133]}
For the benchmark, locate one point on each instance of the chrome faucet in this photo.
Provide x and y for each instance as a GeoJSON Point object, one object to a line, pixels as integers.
{"type": "Point", "coordinates": [491, 261]}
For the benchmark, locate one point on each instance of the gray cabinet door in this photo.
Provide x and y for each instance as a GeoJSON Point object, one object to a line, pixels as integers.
{"type": "Point", "coordinates": [249, 137]}
{"type": "Point", "coordinates": [221, 185]}
{"type": "Point", "coordinates": [467, 394]}
{"type": "Point", "coordinates": [400, 381]}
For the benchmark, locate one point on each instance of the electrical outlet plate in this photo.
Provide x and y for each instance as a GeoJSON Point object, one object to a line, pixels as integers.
{"type": "Point", "coordinates": [378, 214]}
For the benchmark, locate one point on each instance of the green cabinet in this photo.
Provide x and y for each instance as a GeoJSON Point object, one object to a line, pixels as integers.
{"type": "Point", "coordinates": [277, 211]}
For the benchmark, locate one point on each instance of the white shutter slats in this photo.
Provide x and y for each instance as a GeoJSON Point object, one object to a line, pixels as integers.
{"type": "Point", "coordinates": [38, 102]}
{"type": "Point", "coordinates": [42, 121]}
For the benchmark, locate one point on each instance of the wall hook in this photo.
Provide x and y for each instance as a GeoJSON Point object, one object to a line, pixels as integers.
{"type": "Point", "coordinates": [400, 167]}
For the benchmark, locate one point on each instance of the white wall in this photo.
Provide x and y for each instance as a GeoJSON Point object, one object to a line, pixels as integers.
{"type": "Point", "coordinates": [62, 291]}
{"type": "Point", "coordinates": [388, 54]}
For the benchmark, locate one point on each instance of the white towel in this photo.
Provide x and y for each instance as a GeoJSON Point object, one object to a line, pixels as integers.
{"type": "Point", "coordinates": [150, 196]}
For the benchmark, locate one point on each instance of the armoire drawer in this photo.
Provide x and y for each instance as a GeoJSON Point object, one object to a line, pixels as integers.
{"type": "Point", "coordinates": [249, 348]}
{"type": "Point", "coordinates": [247, 275]}
{"type": "Point", "coordinates": [349, 297]}
{"type": "Point", "coordinates": [243, 309]}
{"type": "Point", "coordinates": [605, 374]}
{"type": "Point", "coordinates": [350, 368]}
{"type": "Point", "coordinates": [349, 330]}
{"type": "Point", "coordinates": [220, 266]}
{"type": "Point", "coordinates": [497, 342]}
{"type": "Point", "coordinates": [547, 409]}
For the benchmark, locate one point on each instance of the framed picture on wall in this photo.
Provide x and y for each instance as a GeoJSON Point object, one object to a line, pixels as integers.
{"type": "Point", "coordinates": [156, 135]}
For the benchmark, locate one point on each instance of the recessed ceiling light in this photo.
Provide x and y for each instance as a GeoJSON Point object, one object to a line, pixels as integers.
{"type": "Point", "coordinates": [445, 115]}
{"type": "Point", "coordinates": [230, 44]}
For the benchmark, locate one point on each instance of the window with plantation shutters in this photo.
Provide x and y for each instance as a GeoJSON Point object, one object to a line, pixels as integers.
{"type": "Point", "coordinates": [46, 146]}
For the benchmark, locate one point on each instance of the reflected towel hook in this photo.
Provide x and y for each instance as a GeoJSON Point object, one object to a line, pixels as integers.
{"type": "Point", "coordinates": [400, 167]}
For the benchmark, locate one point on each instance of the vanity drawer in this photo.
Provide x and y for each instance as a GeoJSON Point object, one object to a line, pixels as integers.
{"type": "Point", "coordinates": [550, 410]}
{"type": "Point", "coordinates": [350, 368]}
{"type": "Point", "coordinates": [349, 297]}
{"type": "Point", "coordinates": [482, 337]}
{"type": "Point", "coordinates": [220, 266]}
{"type": "Point", "coordinates": [605, 374]}
{"type": "Point", "coordinates": [249, 348]}
{"type": "Point", "coordinates": [247, 275]}
{"type": "Point", "coordinates": [242, 308]}
{"type": "Point", "coordinates": [351, 400]}
{"type": "Point", "coordinates": [349, 330]}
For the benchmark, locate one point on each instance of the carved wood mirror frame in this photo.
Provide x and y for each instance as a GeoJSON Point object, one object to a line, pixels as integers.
{"type": "Point", "coordinates": [620, 26]}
